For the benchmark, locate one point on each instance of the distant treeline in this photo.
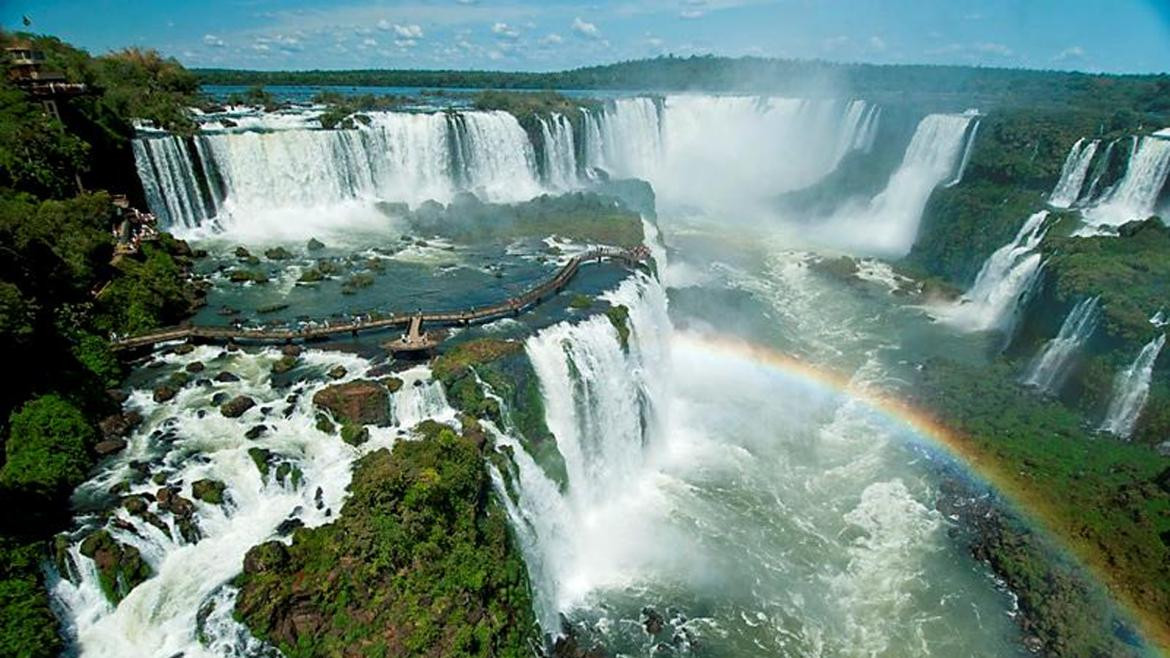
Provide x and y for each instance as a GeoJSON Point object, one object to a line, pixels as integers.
{"type": "Point", "coordinates": [1142, 93]}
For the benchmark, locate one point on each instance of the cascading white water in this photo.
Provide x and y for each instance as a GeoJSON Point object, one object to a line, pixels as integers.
{"type": "Point", "coordinates": [625, 138]}
{"type": "Point", "coordinates": [560, 151]}
{"type": "Point", "coordinates": [1098, 174]}
{"type": "Point", "coordinates": [1131, 390]}
{"type": "Point", "coordinates": [185, 608]}
{"type": "Point", "coordinates": [888, 224]}
{"type": "Point", "coordinates": [1050, 367]}
{"type": "Point", "coordinates": [1073, 173]}
{"type": "Point", "coordinates": [399, 156]}
{"type": "Point", "coordinates": [599, 402]}
{"type": "Point", "coordinates": [1136, 194]}
{"type": "Point", "coordinates": [1006, 278]}
{"type": "Point", "coordinates": [966, 155]}
{"type": "Point", "coordinates": [169, 180]}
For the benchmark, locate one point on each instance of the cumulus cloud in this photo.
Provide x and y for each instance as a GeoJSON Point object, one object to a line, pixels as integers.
{"type": "Point", "coordinates": [994, 49]}
{"type": "Point", "coordinates": [691, 13]}
{"type": "Point", "coordinates": [405, 43]}
{"type": "Point", "coordinates": [835, 43]}
{"type": "Point", "coordinates": [551, 39]}
{"type": "Point", "coordinates": [505, 31]}
{"type": "Point", "coordinates": [586, 29]}
{"type": "Point", "coordinates": [877, 43]}
{"type": "Point", "coordinates": [213, 41]}
{"type": "Point", "coordinates": [408, 31]}
{"type": "Point", "coordinates": [1070, 53]}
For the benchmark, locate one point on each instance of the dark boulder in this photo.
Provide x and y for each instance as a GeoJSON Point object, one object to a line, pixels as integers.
{"type": "Point", "coordinates": [236, 407]}
{"type": "Point", "coordinates": [208, 491]}
{"type": "Point", "coordinates": [164, 393]}
{"type": "Point", "coordinates": [226, 377]}
{"type": "Point", "coordinates": [271, 556]}
{"type": "Point", "coordinates": [109, 447]}
{"type": "Point", "coordinates": [256, 432]}
{"type": "Point", "coordinates": [360, 402]}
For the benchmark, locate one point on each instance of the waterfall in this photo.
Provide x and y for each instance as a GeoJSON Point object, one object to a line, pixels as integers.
{"type": "Point", "coordinates": [560, 153]}
{"type": "Point", "coordinates": [625, 138]}
{"type": "Point", "coordinates": [1136, 195]}
{"type": "Point", "coordinates": [1131, 390]}
{"type": "Point", "coordinates": [1072, 174]}
{"type": "Point", "coordinates": [1098, 173]}
{"type": "Point", "coordinates": [888, 223]}
{"type": "Point", "coordinates": [1050, 367]}
{"type": "Point", "coordinates": [1005, 279]}
{"type": "Point", "coordinates": [290, 473]}
{"type": "Point", "coordinates": [966, 155]}
{"type": "Point", "coordinates": [601, 402]}
{"type": "Point", "coordinates": [398, 156]}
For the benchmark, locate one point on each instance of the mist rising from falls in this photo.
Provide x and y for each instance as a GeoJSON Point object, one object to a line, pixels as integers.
{"type": "Point", "coordinates": [1051, 366]}
{"type": "Point", "coordinates": [1131, 391]}
{"type": "Point", "coordinates": [1003, 283]}
{"type": "Point", "coordinates": [1073, 173]}
{"type": "Point", "coordinates": [1136, 195]}
{"type": "Point", "coordinates": [888, 224]}
{"type": "Point", "coordinates": [719, 152]}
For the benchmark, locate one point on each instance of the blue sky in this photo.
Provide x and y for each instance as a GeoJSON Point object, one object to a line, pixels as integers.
{"type": "Point", "coordinates": [1090, 35]}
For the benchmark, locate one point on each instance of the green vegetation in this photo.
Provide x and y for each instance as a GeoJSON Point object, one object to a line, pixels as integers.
{"type": "Point", "coordinates": [420, 562]}
{"type": "Point", "coordinates": [255, 96]}
{"type": "Point", "coordinates": [619, 317]}
{"type": "Point", "coordinates": [1103, 496]}
{"type": "Point", "coordinates": [62, 293]}
{"type": "Point", "coordinates": [582, 217]}
{"type": "Point", "coordinates": [342, 110]}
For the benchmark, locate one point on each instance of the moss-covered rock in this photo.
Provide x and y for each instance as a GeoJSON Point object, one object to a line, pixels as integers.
{"type": "Point", "coordinates": [355, 435]}
{"type": "Point", "coordinates": [120, 567]}
{"type": "Point", "coordinates": [419, 562]}
{"type": "Point", "coordinates": [360, 402]}
{"type": "Point", "coordinates": [208, 490]}
{"type": "Point", "coordinates": [619, 317]}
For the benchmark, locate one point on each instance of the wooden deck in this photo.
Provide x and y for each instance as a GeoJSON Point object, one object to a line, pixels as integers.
{"type": "Point", "coordinates": [322, 331]}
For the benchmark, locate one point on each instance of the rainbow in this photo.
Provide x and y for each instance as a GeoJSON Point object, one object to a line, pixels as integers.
{"type": "Point", "coordinates": [994, 473]}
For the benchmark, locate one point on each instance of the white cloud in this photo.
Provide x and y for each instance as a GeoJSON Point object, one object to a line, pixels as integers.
{"type": "Point", "coordinates": [691, 13]}
{"type": "Point", "coordinates": [1072, 52]}
{"type": "Point", "coordinates": [213, 41]}
{"type": "Point", "coordinates": [654, 42]}
{"type": "Point", "coordinates": [405, 43]}
{"type": "Point", "coordinates": [465, 2]}
{"type": "Point", "coordinates": [994, 49]}
{"type": "Point", "coordinates": [586, 29]}
{"type": "Point", "coordinates": [505, 31]}
{"type": "Point", "coordinates": [835, 43]}
{"type": "Point", "coordinates": [409, 31]}
{"type": "Point", "coordinates": [877, 43]}
{"type": "Point", "coordinates": [368, 43]}
{"type": "Point", "coordinates": [551, 39]}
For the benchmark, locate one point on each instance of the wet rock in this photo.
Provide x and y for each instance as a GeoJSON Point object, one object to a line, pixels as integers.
{"type": "Point", "coordinates": [208, 490]}
{"type": "Point", "coordinates": [109, 447]}
{"type": "Point", "coordinates": [287, 526]}
{"type": "Point", "coordinates": [226, 377]}
{"type": "Point", "coordinates": [236, 407]}
{"type": "Point", "coordinates": [135, 504]}
{"type": "Point", "coordinates": [120, 568]}
{"type": "Point", "coordinates": [262, 458]}
{"type": "Point", "coordinates": [169, 500]}
{"type": "Point", "coordinates": [189, 530]}
{"type": "Point", "coordinates": [232, 347]}
{"type": "Point", "coordinates": [119, 425]}
{"type": "Point", "coordinates": [117, 395]}
{"type": "Point", "coordinates": [219, 398]}
{"type": "Point", "coordinates": [314, 245]}
{"type": "Point", "coordinates": [337, 372]}
{"type": "Point", "coordinates": [360, 402]}
{"type": "Point", "coordinates": [355, 435]}
{"type": "Point", "coordinates": [278, 253]}
{"type": "Point", "coordinates": [392, 384]}
{"type": "Point", "coordinates": [195, 366]}
{"type": "Point", "coordinates": [319, 498]}
{"type": "Point", "coordinates": [185, 348]}
{"type": "Point", "coordinates": [242, 253]}
{"type": "Point", "coordinates": [255, 432]}
{"type": "Point", "coordinates": [164, 393]}
{"type": "Point", "coordinates": [178, 379]}
{"type": "Point", "coordinates": [284, 364]}
{"type": "Point", "coordinates": [289, 474]}
{"type": "Point", "coordinates": [120, 488]}
{"type": "Point", "coordinates": [291, 350]}
{"type": "Point", "coordinates": [271, 556]}
{"type": "Point", "coordinates": [652, 621]}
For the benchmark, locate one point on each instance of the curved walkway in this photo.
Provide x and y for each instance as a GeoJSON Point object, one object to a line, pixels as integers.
{"type": "Point", "coordinates": [512, 306]}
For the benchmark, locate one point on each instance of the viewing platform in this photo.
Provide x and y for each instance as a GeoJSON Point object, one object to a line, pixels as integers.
{"type": "Point", "coordinates": [415, 339]}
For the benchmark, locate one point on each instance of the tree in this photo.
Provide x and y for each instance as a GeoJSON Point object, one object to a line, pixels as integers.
{"type": "Point", "coordinates": [47, 452]}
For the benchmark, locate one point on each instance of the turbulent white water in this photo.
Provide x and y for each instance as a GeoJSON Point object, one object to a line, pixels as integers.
{"type": "Point", "coordinates": [1131, 390]}
{"type": "Point", "coordinates": [185, 608]}
{"type": "Point", "coordinates": [967, 150]}
{"type": "Point", "coordinates": [888, 224]}
{"type": "Point", "coordinates": [1136, 195]}
{"type": "Point", "coordinates": [1073, 173]}
{"type": "Point", "coordinates": [1003, 283]}
{"type": "Point", "coordinates": [1051, 366]}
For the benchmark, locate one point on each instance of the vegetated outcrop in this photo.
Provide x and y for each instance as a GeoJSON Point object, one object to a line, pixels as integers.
{"type": "Point", "coordinates": [420, 562]}
{"type": "Point", "coordinates": [361, 402]}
